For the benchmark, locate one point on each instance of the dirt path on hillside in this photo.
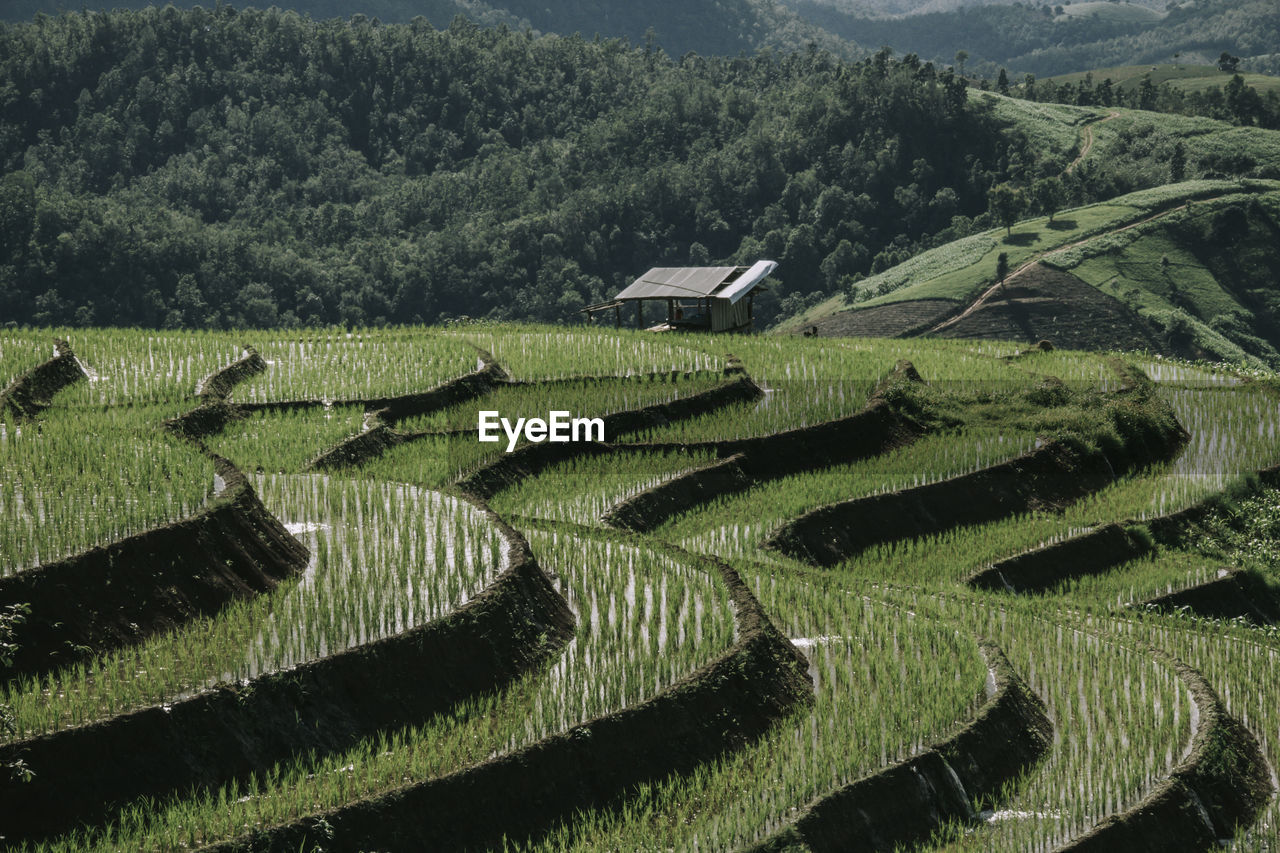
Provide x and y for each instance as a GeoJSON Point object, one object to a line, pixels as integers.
{"type": "Point", "coordinates": [991, 291]}
{"type": "Point", "coordinates": [1086, 141]}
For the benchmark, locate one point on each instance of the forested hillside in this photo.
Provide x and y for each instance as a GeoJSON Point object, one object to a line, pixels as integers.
{"type": "Point", "coordinates": [214, 168]}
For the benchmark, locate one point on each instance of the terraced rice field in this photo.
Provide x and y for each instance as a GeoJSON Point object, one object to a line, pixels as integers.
{"type": "Point", "coordinates": [268, 592]}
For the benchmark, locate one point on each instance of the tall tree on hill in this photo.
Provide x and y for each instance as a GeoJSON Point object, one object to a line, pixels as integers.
{"type": "Point", "coordinates": [1178, 162]}
{"type": "Point", "coordinates": [1243, 101]}
{"type": "Point", "coordinates": [1048, 193]}
{"type": "Point", "coordinates": [1006, 202]}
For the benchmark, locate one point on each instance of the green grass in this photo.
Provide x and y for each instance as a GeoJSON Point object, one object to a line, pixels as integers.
{"type": "Point", "coordinates": [84, 477]}
{"type": "Point", "coordinates": [357, 365]}
{"type": "Point", "coordinates": [1148, 265]}
{"type": "Point", "coordinates": [890, 634]}
{"type": "Point", "coordinates": [1193, 78]}
{"type": "Point", "coordinates": [285, 440]}
{"type": "Point", "coordinates": [646, 620]}
{"type": "Point", "coordinates": [1052, 129]}
{"type": "Point", "coordinates": [384, 559]}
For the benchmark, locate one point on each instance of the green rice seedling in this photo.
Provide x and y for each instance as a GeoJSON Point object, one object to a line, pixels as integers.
{"type": "Point", "coordinates": [583, 488]}
{"type": "Point", "coordinates": [888, 682]}
{"type": "Point", "coordinates": [1146, 577]}
{"type": "Point", "coordinates": [736, 525]}
{"type": "Point", "coordinates": [20, 351]}
{"type": "Point", "coordinates": [385, 558]}
{"type": "Point", "coordinates": [539, 352]}
{"type": "Point", "coordinates": [581, 398]}
{"type": "Point", "coordinates": [1122, 721]}
{"type": "Point", "coordinates": [809, 381]}
{"type": "Point", "coordinates": [1170, 371]}
{"type": "Point", "coordinates": [358, 365]}
{"type": "Point", "coordinates": [435, 461]}
{"type": "Point", "coordinates": [141, 367]}
{"type": "Point", "coordinates": [645, 621]}
{"type": "Point", "coordinates": [1234, 431]}
{"type": "Point", "coordinates": [888, 633]}
{"type": "Point", "coordinates": [285, 440]}
{"type": "Point", "coordinates": [78, 478]}
{"type": "Point", "coordinates": [1237, 658]}
{"type": "Point", "coordinates": [804, 383]}
{"type": "Point", "coordinates": [1240, 662]}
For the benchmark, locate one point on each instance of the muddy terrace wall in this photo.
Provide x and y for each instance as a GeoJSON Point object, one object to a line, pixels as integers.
{"type": "Point", "coordinates": [367, 445]}
{"type": "Point", "coordinates": [744, 463]}
{"type": "Point", "coordinates": [529, 460]}
{"type": "Point", "coordinates": [906, 803]}
{"type": "Point", "coordinates": [219, 384]}
{"type": "Point", "coordinates": [217, 411]}
{"type": "Point", "coordinates": [1102, 549]}
{"type": "Point", "coordinates": [214, 412]}
{"type": "Point", "coordinates": [1042, 569]}
{"type": "Point", "coordinates": [1235, 595]}
{"type": "Point", "coordinates": [725, 704]}
{"type": "Point", "coordinates": [121, 593]}
{"type": "Point", "coordinates": [228, 732]}
{"type": "Point", "coordinates": [1223, 782]}
{"type": "Point", "coordinates": [1048, 478]}
{"type": "Point", "coordinates": [32, 392]}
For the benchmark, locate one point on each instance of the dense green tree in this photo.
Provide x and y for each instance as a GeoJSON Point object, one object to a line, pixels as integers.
{"type": "Point", "coordinates": [218, 167]}
{"type": "Point", "coordinates": [1049, 195]}
{"type": "Point", "coordinates": [1006, 203]}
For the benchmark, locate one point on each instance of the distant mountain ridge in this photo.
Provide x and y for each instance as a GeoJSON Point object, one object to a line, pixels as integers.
{"type": "Point", "coordinates": [706, 27]}
{"type": "Point", "coordinates": [1038, 39]}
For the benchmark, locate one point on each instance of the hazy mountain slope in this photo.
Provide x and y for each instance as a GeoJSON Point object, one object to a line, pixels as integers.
{"type": "Point", "coordinates": [707, 27]}
{"type": "Point", "coordinates": [1032, 39]}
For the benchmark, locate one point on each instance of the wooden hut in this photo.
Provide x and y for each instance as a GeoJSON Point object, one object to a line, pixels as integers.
{"type": "Point", "coordinates": [716, 299]}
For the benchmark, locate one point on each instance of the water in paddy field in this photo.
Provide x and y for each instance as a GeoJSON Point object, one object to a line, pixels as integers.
{"type": "Point", "coordinates": [645, 620]}
{"type": "Point", "coordinates": [385, 558]}
{"type": "Point", "coordinates": [1232, 433]}
{"type": "Point", "coordinates": [1167, 371]}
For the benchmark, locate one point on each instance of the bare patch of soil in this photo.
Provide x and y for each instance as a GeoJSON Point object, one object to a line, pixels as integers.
{"type": "Point", "coordinates": [1047, 304]}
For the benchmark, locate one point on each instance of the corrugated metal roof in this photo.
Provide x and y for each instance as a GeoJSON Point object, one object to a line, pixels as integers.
{"type": "Point", "coordinates": [686, 282]}
{"type": "Point", "coordinates": [677, 282]}
{"type": "Point", "coordinates": [741, 286]}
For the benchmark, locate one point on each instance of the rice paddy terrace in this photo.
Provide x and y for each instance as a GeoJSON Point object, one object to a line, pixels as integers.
{"type": "Point", "coordinates": [267, 591]}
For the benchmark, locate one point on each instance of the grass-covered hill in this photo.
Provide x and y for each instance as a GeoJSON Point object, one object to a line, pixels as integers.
{"type": "Point", "coordinates": [1189, 78]}
{"type": "Point", "coordinates": [264, 591]}
{"type": "Point", "coordinates": [1187, 269]}
{"type": "Point", "coordinates": [218, 168]}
